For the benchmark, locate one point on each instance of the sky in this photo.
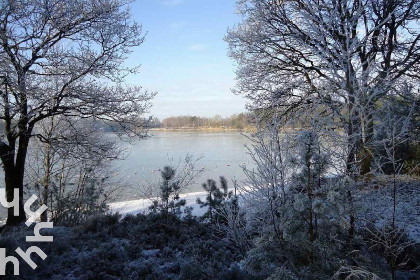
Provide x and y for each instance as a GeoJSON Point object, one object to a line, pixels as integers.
{"type": "Point", "coordinates": [184, 57]}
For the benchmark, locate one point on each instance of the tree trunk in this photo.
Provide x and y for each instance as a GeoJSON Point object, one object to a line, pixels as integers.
{"type": "Point", "coordinates": [353, 146]}
{"type": "Point", "coordinates": [47, 167]}
{"type": "Point", "coordinates": [309, 190]}
{"type": "Point", "coordinates": [366, 153]}
{"type": "Point", "coordinates": [352, 226]}
{"type": "Point", "coordinates": [13, 175]}
{"type": "Point", "coordinates": [14, 180]}
{"type": "Point", "coordinates": [46, 183]}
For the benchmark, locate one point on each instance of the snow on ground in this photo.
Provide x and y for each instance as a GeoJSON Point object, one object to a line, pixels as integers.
{"type": "Point", "coordinates": [377, 205]}
{"type": "Point", "coordinates": [142, 205]}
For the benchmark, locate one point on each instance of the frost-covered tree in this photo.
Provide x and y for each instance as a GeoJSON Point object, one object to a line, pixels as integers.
{"type": "Point", "coordinates": [329, 67]}
{"type": "Point", "coordinates": [340, 58]}
{"type": "Point", "coordinates": [68, 157]}
{"type": "Point", "coordinates": [312, 164]}
{"type": "Point", "coordinates": [392, 244]}
{"type": "Point", "coordinates": [233, 224]}
{"type": "Point", "coordinates": [397, 134]}
{"type": "Point", "coordinates": [297, 212]}
{"type": "Point", "coordinates": [393, 132]}
{"type": "Point", "coordinates": [63, 58]}
{"type": "Point", "coordinates": [265, 188]}
{"type": "Point", "coordinates": [389, 237]}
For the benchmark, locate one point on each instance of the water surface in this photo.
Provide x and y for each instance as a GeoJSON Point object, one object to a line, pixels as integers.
{"type": "Point", "coordinates": [222, 154]}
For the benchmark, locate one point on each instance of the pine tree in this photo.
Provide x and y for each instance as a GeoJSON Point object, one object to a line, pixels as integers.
{"type": "Point", "coordinates": [215, 199]}
{"type": "Point", "coordinates": [312, 165]}
{"type": "Point", "coordinates": [169, 201]}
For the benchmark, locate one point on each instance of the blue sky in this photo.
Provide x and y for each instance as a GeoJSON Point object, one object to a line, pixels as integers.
{"type": "Point", "coordinates": [184, 57]}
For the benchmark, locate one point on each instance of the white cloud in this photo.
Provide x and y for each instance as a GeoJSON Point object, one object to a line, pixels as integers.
{"type": "Point", "coordinates": [197, 47]}
{"type": "Point", "coordinates": [172, 3]}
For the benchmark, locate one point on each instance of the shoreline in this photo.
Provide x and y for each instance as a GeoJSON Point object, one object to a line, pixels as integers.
{"type": "Point", "coordinates": [136, 206]}
{"type": "Point", "coordinates": [208, 129]}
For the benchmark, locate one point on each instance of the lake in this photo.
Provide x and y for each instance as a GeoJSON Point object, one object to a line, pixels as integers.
{"type": "Point", "coordinates": [222, 154]}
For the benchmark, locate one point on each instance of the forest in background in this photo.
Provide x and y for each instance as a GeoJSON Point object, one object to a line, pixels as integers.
{"type": "Point", "coordinates": [236, 121]}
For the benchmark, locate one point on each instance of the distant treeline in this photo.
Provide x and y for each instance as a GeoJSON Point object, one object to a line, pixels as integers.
{"type": "Point", "coordinates": [237, 121]}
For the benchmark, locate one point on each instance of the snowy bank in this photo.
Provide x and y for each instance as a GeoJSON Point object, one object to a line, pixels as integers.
{"type": "Point", "coordinates": [133, 207]}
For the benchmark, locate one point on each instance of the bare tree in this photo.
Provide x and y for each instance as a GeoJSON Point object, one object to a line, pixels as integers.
{"type": "Point", "coordinates": [390, 239]}
{"type": "Point", "coordinates": [233, 225]}
{"type": "Point", "coordinates": [340, 56]}
{"type": "Point", "coordinates": [67, 154]}
{"type": "Point", "coordinates": [394, 132]}
{"type": "Point", "coordinates": [265, 185]}
{"type": "Point", "coordinates": [392, 244]}
{"type": "Point", "coordinates": [63, 58]}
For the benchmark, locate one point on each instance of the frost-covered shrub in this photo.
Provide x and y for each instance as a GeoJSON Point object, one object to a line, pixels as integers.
{"type": "Point", "coordinates": [312, 216]}
{"type": "Point", "coordinates": [100, 222]}
{"type": "Point", "coordinates": [76, 207]}
{"type": "Point", "coordinates": [108, 259]}
{"type": "Point", "coordinates": [283, 273]}
{"type": "Point", "coordinates": [135, 247]}
{"type": "Point", "coordinates": [274, 259]}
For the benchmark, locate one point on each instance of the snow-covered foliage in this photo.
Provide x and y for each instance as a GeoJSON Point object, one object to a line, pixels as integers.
{"type": "Point", "coordinates": [334, 86]}
{"type": "Point", "coordinates": [64, 58]}
{"type": "Point", "coordinates": [334, 89]}
{"type": "Point", "coordinates": [308, 233]}
{"type": "Point", "coordinates": [136, 247]}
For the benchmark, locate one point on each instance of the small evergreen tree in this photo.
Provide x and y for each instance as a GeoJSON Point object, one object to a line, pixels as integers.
{"type": "Point", "coordinates": [312, 165]}
{"type": "Point", "coordinates": [169, 201]}
{"type": "Point", "coordinates": [215, 199]}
